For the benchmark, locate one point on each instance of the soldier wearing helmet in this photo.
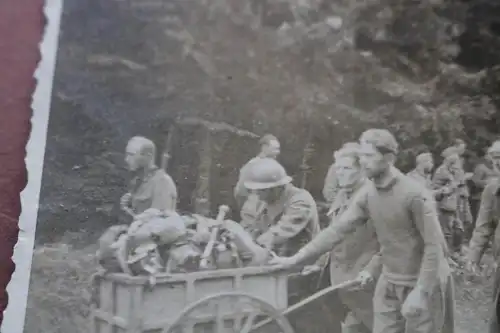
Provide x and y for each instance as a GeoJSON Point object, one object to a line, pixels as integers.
{"type": "Point", "coordinates": [270, 148]}
{"type": "Point", "coordinates": [290, 217]}
{"type": "Point", "coordinates": [487, 227]}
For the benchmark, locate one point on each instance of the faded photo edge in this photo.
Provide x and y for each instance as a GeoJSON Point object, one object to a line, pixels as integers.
{"type": "Point", "coordinates": [17, 289]}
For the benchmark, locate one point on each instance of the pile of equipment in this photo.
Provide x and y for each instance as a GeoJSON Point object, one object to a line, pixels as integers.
{"type": "Point", "coordinates": [166, 242]}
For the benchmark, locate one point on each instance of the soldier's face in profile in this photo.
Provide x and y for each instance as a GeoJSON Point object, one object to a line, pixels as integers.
{"type": "Point", "coordinates": [372, 160]}
{"type": "Point", "coordinates": [454, 162]}
{"type": "Point", "coordinates": [133, 156]}
{"type": "Point", "coordinates": [272, 149]}
{"type": "Point", "coordinates": [495, 159]}
{"type": "Point", "coordinates": [348, 171]}
{"type": "Point", "coordinates": [428, 165]}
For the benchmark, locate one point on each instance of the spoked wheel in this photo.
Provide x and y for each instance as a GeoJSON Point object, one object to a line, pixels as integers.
{"type": "Point", "coordinates": [230, 313]}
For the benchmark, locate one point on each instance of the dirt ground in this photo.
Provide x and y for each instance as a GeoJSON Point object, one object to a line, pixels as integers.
{"type": "Point", "coordinates": [473, 304]}
{"type": "Point", "coordinates": [59, 295]}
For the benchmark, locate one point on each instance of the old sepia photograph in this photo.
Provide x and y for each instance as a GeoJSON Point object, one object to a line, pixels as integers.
{"type": "Point", "coordinates": [269, 166]}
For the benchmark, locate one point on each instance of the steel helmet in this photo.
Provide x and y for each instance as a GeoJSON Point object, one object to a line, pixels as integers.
{"type": "Point", "coordinates": [266, 173]}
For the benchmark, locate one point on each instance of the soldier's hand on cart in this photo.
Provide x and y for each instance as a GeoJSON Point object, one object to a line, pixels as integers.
{"type": "Point", "coordinates": [310, 269]}
{"type": "Point", "coordinates": [284, 262]}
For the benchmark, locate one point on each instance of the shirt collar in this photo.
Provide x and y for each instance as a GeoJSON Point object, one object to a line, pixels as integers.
{"type": "Point", "coordinates": [390, 180]}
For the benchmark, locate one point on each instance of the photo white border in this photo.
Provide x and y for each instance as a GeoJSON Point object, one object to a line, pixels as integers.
{"type": "Point", "coordinates": [14, 315]}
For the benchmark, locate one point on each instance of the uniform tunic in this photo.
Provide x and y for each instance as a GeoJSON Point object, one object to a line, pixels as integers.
{"type": "Point", "coordinates": [411, 246]}
{"type": "Point", "coordinates": [155, 190]}
{"type": "Point", "coordinates": [447, 197]}
{"type": "Point", "coordinates": [288, 223]}
{"type": "Point", "coordinates": [358, 252]}
{"type": "Point", "coordinates": [487, 226]}
{"type": "Point", "coordinates": [445, 182]}
{"type": "Point", "coordinates": [464, 212]}
{"type": "Point", "coordinates": [483, 174]}
{"type": "Point", "coordinates": [425, 180]}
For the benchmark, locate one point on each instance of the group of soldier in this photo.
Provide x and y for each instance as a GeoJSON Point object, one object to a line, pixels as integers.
{"type": "Point", "coordinates": [394, 234]}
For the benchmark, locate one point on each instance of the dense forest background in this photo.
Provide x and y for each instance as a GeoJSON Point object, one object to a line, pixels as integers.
{"type": "Point", "coordinates": [315, 73]}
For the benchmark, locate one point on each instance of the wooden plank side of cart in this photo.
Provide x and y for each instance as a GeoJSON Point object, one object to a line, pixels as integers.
{"type": "Point", "coordinates": [129, 304]}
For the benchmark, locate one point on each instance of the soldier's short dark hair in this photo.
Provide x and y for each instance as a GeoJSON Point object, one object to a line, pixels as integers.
{"type": "Point", "coordinates": [450, 151]}
{"type": "Point", "coordinates": [148, 147]}
{"type": "Point", "coordinates": [266, 139]}
{"type": "Point", "coordinates": [381, 139]}
{"type": "Point", "coordinates": [351, 150]}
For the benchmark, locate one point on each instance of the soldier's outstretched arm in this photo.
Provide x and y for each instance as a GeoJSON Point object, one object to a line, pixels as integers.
{"type": "Point", "coordinates": [355, 216]}
{"type": "Point", "coordinates": [424, 214]}
{"type": "Point", "coordinates": [374, 267]}
{"type": "Point", "coordinates": [485, 224]}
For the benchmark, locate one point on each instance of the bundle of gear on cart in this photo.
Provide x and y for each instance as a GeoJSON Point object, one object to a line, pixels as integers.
{"type": "Point", "coordinates": [164, 241]}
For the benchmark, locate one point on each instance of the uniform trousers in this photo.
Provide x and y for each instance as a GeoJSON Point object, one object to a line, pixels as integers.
{"type": "Point", "coordinates": [387, 302]}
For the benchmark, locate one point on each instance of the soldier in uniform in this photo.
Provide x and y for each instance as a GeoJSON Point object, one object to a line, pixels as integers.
{"type": "Point", "coordinates": [484, 172]}
{"type": "Point", "coordinates": [414, 293]}
{"type": "Point", "coordinates": [290, 217]}
{"type": "Point", "coordinates": [359, 252]}
{"type": "Point", "coordinates": [487, 226]}
{"type": "Point", "coordinates": [447, 191]}
{"type": "Point", "coordinates": [151, 187]}
{"type": "Point", "coordinates": [331, 186]}
{"type": "Point", "coordinates": [269, 148]}
{"type": "Point", "coordinates": [462, 177]}
{"type": "Point", "coordinates": [423, 170]}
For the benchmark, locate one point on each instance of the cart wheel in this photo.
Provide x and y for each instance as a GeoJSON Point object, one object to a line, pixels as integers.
{"type": "Point", "coordinates": [230, 312]}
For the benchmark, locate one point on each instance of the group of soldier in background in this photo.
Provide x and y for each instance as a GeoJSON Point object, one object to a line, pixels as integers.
{"type": "Point", "coordinates": [394, 234]}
